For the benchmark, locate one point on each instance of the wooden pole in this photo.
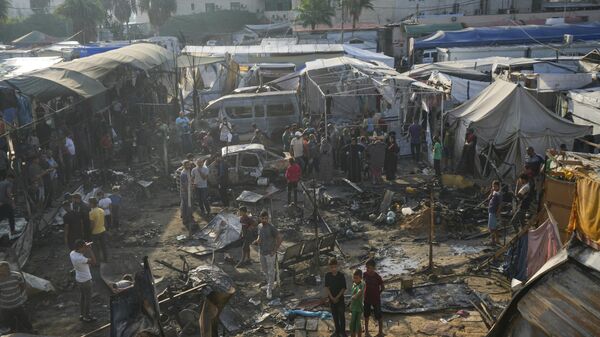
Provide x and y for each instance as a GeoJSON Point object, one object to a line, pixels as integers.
{"type": "Point", "coordinates": [431, 232]}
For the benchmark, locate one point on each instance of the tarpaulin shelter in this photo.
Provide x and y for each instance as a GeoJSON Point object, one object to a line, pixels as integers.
{"type": "Point", "coordinates": [34, 38]}
{"type": "Point", "coordinates": [460, 89]}
{"type": "Point", "coordinates": [507, 119]}
{"type": "Point", "coordinates": [507, 35]}
{"type": "Point", "coordinates": [584, 105]}
{"type": "Point", "coordinates": [88, 77]}
{"type": "Point", "coordinates": [21, 65]}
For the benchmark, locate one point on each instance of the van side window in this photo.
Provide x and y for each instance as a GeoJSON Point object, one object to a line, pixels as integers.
{"type": "Point", "coordinates": [237, 112]}
{"type": "Point", "coordinates": [259, 110]}
{"type": "Point", "coordinates": [249, 160]}
{"type": "Point", "coordinates": [277, 110]}
{"type": "Point", "coordinates": [212, 113]}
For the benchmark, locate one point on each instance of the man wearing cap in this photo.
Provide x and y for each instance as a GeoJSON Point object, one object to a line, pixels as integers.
{"type": "Point", "coordinates": [12, 300]}
{"type": "Point", "coordinates": [297, 148]}
{"type": "Point", "coordinates": [82, 256]}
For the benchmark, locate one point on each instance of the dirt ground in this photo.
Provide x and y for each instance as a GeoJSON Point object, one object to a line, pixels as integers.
{"type": "Point", "coordinates": [151, 227]}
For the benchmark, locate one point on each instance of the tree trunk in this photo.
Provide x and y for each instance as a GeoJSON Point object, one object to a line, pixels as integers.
{"type": "Point", "coordinates": [312, 26]}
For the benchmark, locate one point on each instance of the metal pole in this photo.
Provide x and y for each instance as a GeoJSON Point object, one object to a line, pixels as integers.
{"type": "Point", "coordinates": [342, 6]}
{"type": "Point", "coordinates": [316, 222]}
{"type": "Point", "coordinates": [431, 231]}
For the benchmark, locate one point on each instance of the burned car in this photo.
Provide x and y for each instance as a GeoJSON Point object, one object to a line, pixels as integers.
{"type": "Point", "coordinates": [248, 164]}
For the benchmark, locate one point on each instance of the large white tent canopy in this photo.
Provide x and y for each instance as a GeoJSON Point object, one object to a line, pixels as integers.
{"type": "Point", "coordinates": [506, 120]}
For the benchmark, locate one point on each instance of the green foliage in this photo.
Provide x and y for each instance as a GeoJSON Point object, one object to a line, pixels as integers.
{"type": "Point", "coordinates": [159, 11]}
{"type": "Point", "coordinates": [85, 16]}
{"type": "Point", "coordinates": [194, 28]}
{"type": "Point", "coordinates": [4, 4]}
{"type": "Point", "coordinates": [314, 12]}
{"type": "Point", "coordinates": [47, 23]}
{"type": "Point", "coordinates": [354, 9]}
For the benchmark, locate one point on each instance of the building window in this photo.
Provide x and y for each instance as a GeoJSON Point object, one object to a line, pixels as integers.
{"type": "Point", "coordinates": [455, 8]}
{"type": "Point", "coordinates": [193, 7]}
{"type": "Point", "coordinates": [278, 5]}
{"type": "Point", "coordinates": [210, 7]}
{"type": "Point", "coordinates": [235, 6]}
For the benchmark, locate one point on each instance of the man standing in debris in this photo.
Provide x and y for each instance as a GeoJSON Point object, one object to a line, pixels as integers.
{"type": "Point", "coordinates": [185, 193]}
{"type": "Point", "coordinates": [185, 131]}
{"type": "Point", "coordinates": [524, 198]}
{"type": "Point", "coordinates": [115, 206]}
{"type": "Point", "coordinates": [373, 289]}
{"type": "Point", "coordinates": [200, 180]}
{"type": "Point", "coordinates": [297, 148]}
{"type": "Point", "coordinates": [226, 133]}
{"type": "Point", "coordinates": [81, 258]}
{"type": "Point", "coordinates": [98, 228]}
{"type": "Point", "coordinates": [533, 167]}
{"type": "Point", "coordinates": [376, 157]}
{"type": "Point", "coordinates": [335, 286]}
{"type": "Point", "coordinates": [414, 134]}
{"type": "Point", "coordinates": [325, 161]}
{"type": "Point", "coordinates": [494, 210]}
{"type": "Point", "coordinates": [248, 235]}
{"type": "Point", "coordinates": [268, 242]}
{"type": "Point", "coordinates": [12, 300]}
{"type": "Point", "coordinates": [83, 210]}
{"type": "Point", "coordinates": [286, 138]}
{"type": "Point", "coordinates": [353, 153]}
{"type": "Point", "coordinates": [69, 156]}
{"type": "Point", "coordinates": [72, 224]}
{"type": "Point", "coordinates": [7, 201]}
{"type": "Point", "coordinates": [105, 203]}
{"type": "Point", "coordinates": [437, 157]}
{"type": "Point", "coordinates": [292, 175]}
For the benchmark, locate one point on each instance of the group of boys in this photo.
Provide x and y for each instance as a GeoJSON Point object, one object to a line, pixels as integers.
{"type": "Point", "coordinates": [366, 298]}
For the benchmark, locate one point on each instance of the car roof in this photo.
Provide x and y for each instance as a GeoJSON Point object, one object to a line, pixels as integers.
{"type": "Point", "coordinates": [241, 148]}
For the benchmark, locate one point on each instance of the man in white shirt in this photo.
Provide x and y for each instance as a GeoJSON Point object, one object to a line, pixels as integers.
{"type": "Point", "coordinates": [225, 132]}
{"type": "Point", "coordinates": [81, 258]}
{"type": "Point", "coordinates": [200, 181]}
{"type": "Point", "coordinates": [69, 156]}
{"type": "Point", "coordinates": [105, 203]}
{"type": "Point", "coordinates": [297, 148]}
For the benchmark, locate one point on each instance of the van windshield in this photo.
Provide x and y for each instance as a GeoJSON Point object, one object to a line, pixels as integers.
{"type": "Point", "coordinates": [211, 113]}
{"type": "Point", "coordinates": [281, 109]}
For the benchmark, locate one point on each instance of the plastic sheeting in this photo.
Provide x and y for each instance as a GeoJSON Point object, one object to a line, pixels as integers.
{"type": "Point", "coordinates": [585, 213]}
{"type": "Point", "coordinates": [368, 56]}
{"type": "Point", "coordinates": [584, 104]}
{"type": "Point", "coordinates": [542, 244]}
{"type": "Point", "coordinates": [461, 90]}
{"type": "Point", "coordinates": [507, 119]}
{"type": "Point", "coordinates": [224, 229]}
{"type": "Point", "coordinates": [506, 35]}
{"type": "Point", "coordinates": [21, 65]}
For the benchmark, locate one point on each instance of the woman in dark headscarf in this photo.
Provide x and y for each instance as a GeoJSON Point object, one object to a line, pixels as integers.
{"type": "Point", "coordinates": [353, 161]}
{"type": "Point", "coordinates": [391, 158]}
{"type": "Point", "coordinates": [325, 161]}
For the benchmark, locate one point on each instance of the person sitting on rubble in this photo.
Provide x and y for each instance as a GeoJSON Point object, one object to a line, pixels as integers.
{"type": "Point", "coordinates": [524, 198]}
{"type": "Point", "coordinates": [125, 282]}
{"type": "Point", "coordinates": [494, 201]}
{"type": "Point", "coordinates": [248, 235]}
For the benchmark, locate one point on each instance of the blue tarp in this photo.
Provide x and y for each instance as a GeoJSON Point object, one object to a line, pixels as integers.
{"type": "Point", "coordinates": [509, 35]}
{"type": "Point", "coordinates": [92, 50]}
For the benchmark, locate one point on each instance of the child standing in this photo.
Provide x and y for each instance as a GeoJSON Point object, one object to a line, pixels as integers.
{"type": "Point", "coordinates": [248, 235]}
{"type": "Point", "coordinates": [335, 287]}
{"type": "Point", "coordinates": [494, 210]}
{"type": "Point", "coordinates": [356, 307]}
{"type": "Point", "coordinates": [373, 289]}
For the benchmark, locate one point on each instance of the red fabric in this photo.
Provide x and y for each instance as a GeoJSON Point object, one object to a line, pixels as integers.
{"type": "Point", "coordinates": [542, 244]}
{"type": "Point", "coordinates": [293, 173]}
{"type": "Point", "coordinates": [373, 283]}
{"type": "Point", "coordinates": [106, 142]}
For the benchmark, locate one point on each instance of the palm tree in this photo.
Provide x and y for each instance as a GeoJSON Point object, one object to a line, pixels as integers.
{"type": "Point", "coordinates": [314, 12]}
{"type": "Point", "coordinates": [85, 15]}
{"type": "Point", "coordinates": [159, 11]}
{"type": "Point", "coordinates": [4, 4]}
{"type": "Point", "coordinates": [122, 11]}
{"type": "Point", "coordinates": [354, 9]}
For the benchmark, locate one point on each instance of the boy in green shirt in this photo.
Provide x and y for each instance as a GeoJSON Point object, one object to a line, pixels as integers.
{"type": "Point", "coordinates": [356, 306]}
{"type": "Point", "coordinates": [437, 156]}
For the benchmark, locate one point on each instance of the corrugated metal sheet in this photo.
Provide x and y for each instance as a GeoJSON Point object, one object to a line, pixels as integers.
{"type": "Point", "coordinates": [561, 300]}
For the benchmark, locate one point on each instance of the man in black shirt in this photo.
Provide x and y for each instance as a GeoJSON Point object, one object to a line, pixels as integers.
{"type": "Point", "coordinates": [73, 225]}
{"type": "Point", "coordinates": [335, 286]}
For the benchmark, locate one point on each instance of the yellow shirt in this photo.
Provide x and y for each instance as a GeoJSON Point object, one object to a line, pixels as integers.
{"type": "Point", "coordinates": [97, 220]}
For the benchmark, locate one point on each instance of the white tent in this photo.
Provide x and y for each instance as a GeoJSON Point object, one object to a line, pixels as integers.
{"type": "Point", "coordinates": [506, 120]}
{"type": "Point", "coordinates": [584, 104]}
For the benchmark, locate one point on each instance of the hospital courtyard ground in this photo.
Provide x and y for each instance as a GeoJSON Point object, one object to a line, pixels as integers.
{"type": "Point", "coordinates": [151, 226]}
